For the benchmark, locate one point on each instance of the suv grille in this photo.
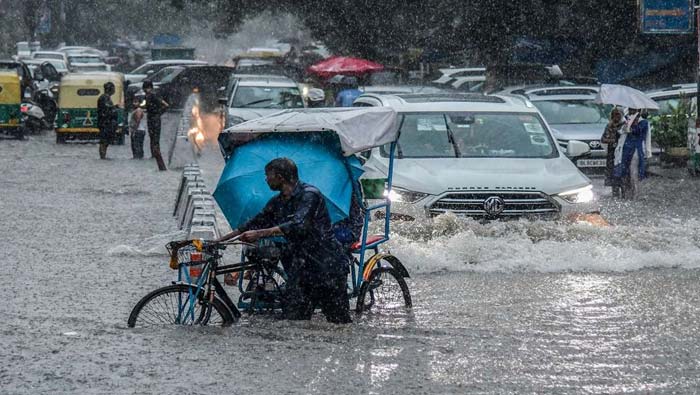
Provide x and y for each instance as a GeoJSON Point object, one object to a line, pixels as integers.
{"type": "Point", "coordinates": [517, 204]}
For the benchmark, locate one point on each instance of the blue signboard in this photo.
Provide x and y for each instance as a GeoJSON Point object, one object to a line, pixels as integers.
{"type": "Point", "coordinates": [666, 16]}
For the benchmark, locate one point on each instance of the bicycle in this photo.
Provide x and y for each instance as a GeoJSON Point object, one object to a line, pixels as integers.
{"type": "Point", "coordinates": [198, 297]}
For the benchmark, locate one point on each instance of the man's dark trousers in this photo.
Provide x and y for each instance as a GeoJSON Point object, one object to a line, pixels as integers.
{"type": "Point", "coordinates": [154, 135]}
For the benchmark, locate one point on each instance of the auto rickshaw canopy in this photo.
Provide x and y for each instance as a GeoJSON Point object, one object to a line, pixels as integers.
{"type": "Point", "coordinates": [10, 88]}
{"type": "Point", "coordinates": [81, 90]}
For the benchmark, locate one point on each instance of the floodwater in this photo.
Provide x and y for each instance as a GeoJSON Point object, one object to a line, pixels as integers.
{"type": "Point", "coordinates": [506, 307]}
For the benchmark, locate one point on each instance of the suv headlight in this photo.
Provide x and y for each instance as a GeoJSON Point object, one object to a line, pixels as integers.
{"type": "Point", "coordinates": [400, 195]}
{"type": "Point", "coordinates": [580, 195]}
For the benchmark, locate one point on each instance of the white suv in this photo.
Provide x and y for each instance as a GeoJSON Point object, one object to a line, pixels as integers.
{"type": "Point", "coordinates": [253, 96]}
{"type": "Point", "coordinates": [478, 156]}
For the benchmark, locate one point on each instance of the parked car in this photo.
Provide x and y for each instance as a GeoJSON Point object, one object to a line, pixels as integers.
{"type": "Point", "coordinates": [51, 55]}
{"type": "Point", "coordinates": [671, 96]}
{"type": "Point", "coordinates": [176, 83]}
{"type": "Point", "coordinates": [377, 89]}
{"type": "Point", "coordinates": [572, 114]}
{"type": "Point", "coordinates": [82, 62]}
{"type": "Point", "coordinates": [252, 96]}
{"type": "Point", "coordinates": [467, 78]}
{"type": "Point", "coordinates": [152, 67]}
{"type": "Point", "coordinates": [477, 156]}
{"type": "Point", "coordinates": [90, 67]}
{"type": "Point", "coordinates": [57, 64]}
{"type": "Point", "coordinates": [86, 50]}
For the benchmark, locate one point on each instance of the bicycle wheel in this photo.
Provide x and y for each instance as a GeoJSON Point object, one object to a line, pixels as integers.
{"type": "Point", "coordinates": [171, 306]}
{"type": "Point", "coordinates": [385, 289]}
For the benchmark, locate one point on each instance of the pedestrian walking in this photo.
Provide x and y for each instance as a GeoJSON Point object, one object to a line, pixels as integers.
{"type": "Point", "coordinates": [137, 128]}
{"type": "Point", "coordinates": [106, 119]}
{"type": "Point", "coordinates": [610, 138]}
{"type": "Point", "coordinates": [630, 158]}
{"type": "Point", "coordinates": [155, 106]}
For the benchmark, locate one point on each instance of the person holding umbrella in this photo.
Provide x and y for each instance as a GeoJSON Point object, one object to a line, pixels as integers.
{"type": "Point", "coordinates": [318, 268]}
{"type": "Point", "coordinates": [630, 158]}
{"type": "Point", "coordinates": [630, 163]}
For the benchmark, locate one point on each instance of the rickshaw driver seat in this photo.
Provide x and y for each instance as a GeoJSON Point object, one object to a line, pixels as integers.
{"type": "Point", "coordinates": [355, 247]}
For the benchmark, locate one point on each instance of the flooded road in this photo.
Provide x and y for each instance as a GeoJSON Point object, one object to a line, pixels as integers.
{"type": "Point", "coordinates": [505, 307]}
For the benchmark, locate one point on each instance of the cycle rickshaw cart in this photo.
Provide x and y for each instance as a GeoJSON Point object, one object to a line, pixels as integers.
{"type": "Point", "coordinates": [324, 144]}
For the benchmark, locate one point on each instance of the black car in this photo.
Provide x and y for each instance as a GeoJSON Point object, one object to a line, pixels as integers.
{"type": "Point", "coordinates": [176, 83]}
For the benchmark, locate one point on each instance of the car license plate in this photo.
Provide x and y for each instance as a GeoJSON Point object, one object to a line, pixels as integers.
{"type": "Point", "coordinates": [590, 163]}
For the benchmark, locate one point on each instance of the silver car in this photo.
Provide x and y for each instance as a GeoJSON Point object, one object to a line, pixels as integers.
{"type": "Point", "coordinates": [572, 114]}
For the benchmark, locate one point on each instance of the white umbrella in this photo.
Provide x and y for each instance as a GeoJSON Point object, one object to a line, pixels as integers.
{"type": "Point", "coordinates": [624, 96]}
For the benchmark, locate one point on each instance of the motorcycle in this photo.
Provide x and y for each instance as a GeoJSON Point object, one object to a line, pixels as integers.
{"type": "Point", "coordinates": [33, 118]}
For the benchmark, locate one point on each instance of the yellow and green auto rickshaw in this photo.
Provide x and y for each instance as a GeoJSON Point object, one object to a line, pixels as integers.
{"type": "Point", "coordinates": [77, 105]}
{"type": "Point", "coordinates": [10, 104]}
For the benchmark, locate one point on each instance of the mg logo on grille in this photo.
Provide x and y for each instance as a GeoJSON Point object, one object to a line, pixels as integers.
{"type": "Point", "coordinates": [595, 144]}
{"type": "Point", "coordinates": [494, 205]}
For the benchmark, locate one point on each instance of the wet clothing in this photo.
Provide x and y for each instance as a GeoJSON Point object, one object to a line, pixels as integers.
{"type": "Point", "coordinates": [634, 144]}
{"type": "Point", "coordinates": [315, 264]}
{"type": "Point", "coordinates": [349, 230]}
{"type": "Point", "coordinates": [137, 130]}
{"type": "Point", "coordinates": [346, 97]}
{"type": "Point", "coordinates": [154, 109]}
{"type": "Point", "coordinates": [107, 121]}
{"type": "Point", "coordinates": [610, 137]}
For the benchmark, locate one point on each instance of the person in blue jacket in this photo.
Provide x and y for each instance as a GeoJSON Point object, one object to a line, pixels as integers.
{"type": "Point", "coordinates": [350, 92]}
{"type": "Point", "coordinates": [317, 270]}
{"type": "Point", "coordinates": [632, 151]}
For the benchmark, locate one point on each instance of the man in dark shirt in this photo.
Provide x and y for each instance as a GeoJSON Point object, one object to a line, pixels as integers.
{"type": "Point", "coordinates": [317, 269]}
{"type": "Point", "coordinates": [155, 106]}
{"type": "Point", "coordinates": [106, 118]}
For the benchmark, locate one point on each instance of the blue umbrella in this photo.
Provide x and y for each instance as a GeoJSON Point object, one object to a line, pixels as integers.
{"type": "Point", "coordinates": [242, 191]}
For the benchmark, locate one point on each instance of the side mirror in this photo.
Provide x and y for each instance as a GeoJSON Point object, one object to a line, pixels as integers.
{"type": "Point", "coordinates": [149, 72]}
{"type": "Point", "coordinates": [222, 100]}
{"type": "Point", "coordinates": [577, 148]}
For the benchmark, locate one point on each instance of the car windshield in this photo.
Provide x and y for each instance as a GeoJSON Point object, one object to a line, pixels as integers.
{"type": "Point", "coordinates": [267, 97]}
{"type": "Point", "coordinates": [473, 135]}
{"type": "Point", "coordinates": [143, 69]}
{"type": "Point", "coordinates": [165, 75]}
{"type": "Point", "coordinates": [85, 59]}
{"type": "Point", "coordinates": [572, 111]}
{"type": "Point", "coordinates": [58, 64]}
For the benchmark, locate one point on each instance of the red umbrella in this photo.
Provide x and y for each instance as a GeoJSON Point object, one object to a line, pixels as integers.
{"type": "Point", "coordinates": [344, 65]}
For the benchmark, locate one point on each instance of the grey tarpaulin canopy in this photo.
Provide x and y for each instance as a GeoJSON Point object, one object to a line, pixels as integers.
{"type": "Point", "coordinates": [358, 129]}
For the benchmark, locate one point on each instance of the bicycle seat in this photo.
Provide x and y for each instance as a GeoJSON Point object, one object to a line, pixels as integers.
{"type": "Point", "coordinates": [355, 247]}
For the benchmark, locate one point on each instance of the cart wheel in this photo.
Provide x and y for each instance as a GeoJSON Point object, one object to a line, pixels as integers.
{"type": "Point", "coordinates": [179, 304]}
{"type": "Point", "coordinates": [385, 289]}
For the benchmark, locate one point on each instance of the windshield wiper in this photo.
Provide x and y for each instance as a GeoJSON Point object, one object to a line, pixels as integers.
{"type": "Point", "coordinates": [256, 102]}
{"type": "Point", "coordinates": [451, 138]}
